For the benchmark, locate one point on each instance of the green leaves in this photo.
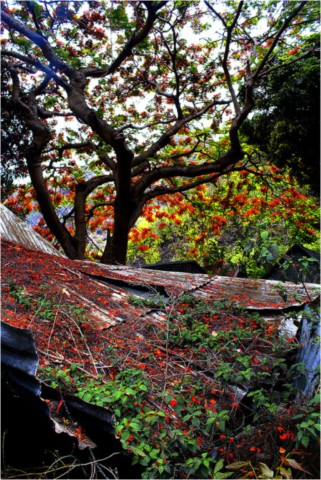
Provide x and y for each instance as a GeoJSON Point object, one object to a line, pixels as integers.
{"type": "Point", "coordinates": [217, 421]}
{"type": "Point", "coordinates": [308, 430]}
{"type": "Point", "coordinates": [23, 42]}
{"type": "Point", "coordinates": [138, 451]}
{"type": "Point", "coordinates": [202, 467]}
{"type": "Point", "coordinates": [191, 433]}
{"type": "Point", "coordinates": [266, 472]}
{"type": "Point", "coordinates": [237, 465]}
{"type": "Point", "coordinates": [118, 18]}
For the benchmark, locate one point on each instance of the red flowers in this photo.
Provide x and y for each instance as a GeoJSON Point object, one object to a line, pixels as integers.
{"type": "Point", "coordinates": [195, 400]}
{"type": "Point", "coordinates": [255, 449]}
{"type": "Point", "coordinates": [173, 402]}
{"type": "Point", "coordinates": [311, 232]}
{"type": "Point", "coordinates": [285, 435]}
{"type": "Point", "coordinates": [161, 225]}
{"type": "Point", "coordinates": [293, 51]}
{"type": "Point", "coordinates": [274, 202]}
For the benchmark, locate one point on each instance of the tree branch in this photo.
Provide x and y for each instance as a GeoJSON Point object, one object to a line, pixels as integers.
{"type": "Point", "coordinates": [165, 138]}
{"type": "Point", "coordinates": [68, 146]}
{"type": "Point", "coordinates": [35, 63]}
{"type": "Point", "coordinates": [230, 31]}
{"type": "Point", "coordinates": [38, 40]}
{"type": "Point", "coordinates": [160, 122]}
{"type": "Point", "coordinates": [158, 191]}
{"type": "Point", "coordinates": [15, 80]}
{"type": "Point", "coordinates": [225, 59]}
{"type": "Point", "coordinates": [222, 165]}
{"type": "Point", "coordinates": [134, 40]}
{"type": "Point", "coordinates": [43, 113]}
{"type": "Point", "coordinates": [108, 162]}
{"type": "Point", "coordinates": [96, 182]}
{"type": "Point", "coordinates": [173, 56]}
{"type": "Point", "coordinates": [285, 25]}
{"type": "Point", "coordinates": [216, 13]}
{"type": "Point", "coordinates": [285, 65]}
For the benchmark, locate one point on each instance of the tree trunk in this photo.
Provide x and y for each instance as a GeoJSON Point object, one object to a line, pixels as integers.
{"type": "Point", "coordinates": [47, 209]}
{"type": "Point", "coordinates": [80, 220]}
{"type": "Point", "coordinates": [115, 252]}
{"type": "Point", "coordinates": [124, 207]}
{"type": "Point", "coordinates": [28, 112]}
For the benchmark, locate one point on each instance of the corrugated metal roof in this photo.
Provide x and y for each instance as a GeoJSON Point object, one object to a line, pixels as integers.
{"type": "Point", "coordinates": [105, 305]}
{"type": "Point", "coordinates": [293, 272]}
{"type": "Point", "coordinates": [18, 231]}
{"type": "Point", "coordinates": [187, 266]}
{"type": "Point", "coordinates": [108, 304]}
{"type": "Point", "coordinates": [117, 333]}
{"type": "Point", "coordinates": [250, 293]}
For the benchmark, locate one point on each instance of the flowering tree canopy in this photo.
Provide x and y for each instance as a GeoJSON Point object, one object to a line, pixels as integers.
{"type": "Point", "coordinates": [114, 104]}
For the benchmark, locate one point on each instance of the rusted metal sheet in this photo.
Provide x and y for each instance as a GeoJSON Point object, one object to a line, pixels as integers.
{"type": "Point", "coordinates": [116, 332]}
{"type": "Point", "coordinates": [249, 293]}
{"type": "Point", "coordinates": [102, 316]}
{"type": "Point", "coordinates": [104, 305]}
{"type": "Point", "coordinates": [19, 363]}
{"type": "Point", "coordinates": [309, 350]}
{"type": "Point", "coordinates": [18, 231]}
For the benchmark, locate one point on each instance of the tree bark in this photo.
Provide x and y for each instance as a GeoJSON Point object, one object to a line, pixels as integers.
{"type": "Point", "coordinates": [80, 220]}
{"type": "Point", "coordinates": [47, 209]}
{"type": "Point", "coordinates": [115, 252]}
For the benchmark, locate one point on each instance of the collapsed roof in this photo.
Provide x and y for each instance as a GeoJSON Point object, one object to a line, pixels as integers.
{"type": "Point", "coordinates": [106, 296]}
{"type": "Point", "coordinates": [105, 291]}
{"type": "Point", "coordinates": [107, 319]}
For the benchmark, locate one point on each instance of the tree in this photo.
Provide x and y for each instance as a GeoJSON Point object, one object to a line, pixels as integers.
{"type": "Point", "coordinates": [125, 106]}
{"type": "Point", "coordinates": [243, 222]}
{"type": "Point", "coordinates": [289, 131]}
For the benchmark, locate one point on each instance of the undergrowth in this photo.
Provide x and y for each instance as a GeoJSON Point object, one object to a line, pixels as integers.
{"type": "Point", "coordinates": [231, 412]}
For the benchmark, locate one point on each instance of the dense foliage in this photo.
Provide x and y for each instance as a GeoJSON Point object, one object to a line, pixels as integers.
{"type": "Point", "coordinates": [240, 223]}
{"type": "Point", "coordinates": [287, 128]}
{"type": "Point", "coordinates": [115, 104]}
